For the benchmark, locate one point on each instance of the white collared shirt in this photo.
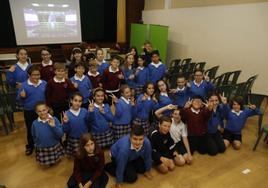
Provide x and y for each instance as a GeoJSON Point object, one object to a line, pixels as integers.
{"type": "Point", "coordinates": [98, 106]}
{"type": "Point", "coordinates": [140, 68]}
{"type": "Point", "coordinates": [195, 111]}
{"type": "Point", "coordinates": [178, 130]}
{"type": "Point", "coordinates": [164, 94]}
{"type": "Point", "coordinates": [197, 83]}
{"type": "Point", "coordinates": [111, 70]}
{"type": "Point", "coordinates": [46, 64]}
{"type": "Point", "coordinates": [132, 148]}
{"type": "Point", "coordinates": [80, 79]}
{"type": "Point", "coordinates": [23, 66]}
{"type": "Point", "coordinates": [58, 81]}
{"type": "Point", "coordinates": [91, 74]}
{"type": "Point", "coordinates": [75, 112]}
{"type": "Point", "coordinates": [33, 84]}
{"type": "Point", "coordinates": [237, 113]}
{"type": "Point", "coordinates": [180, 89]}
{"type": "Point", "coordinates": [126, 100]}
{"type": "Point", "coordinates": [44, 121]}
{"type": "Point", "coordinates": [156, 64]}
{"type": "Point", "coordinates": [100, 62]}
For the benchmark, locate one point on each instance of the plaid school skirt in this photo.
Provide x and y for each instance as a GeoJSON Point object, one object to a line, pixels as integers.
{"type": "Point", "coordinates": [72, 145]}
{"type": "Point", "coordinates": [49, 155]}
{"type": "Point", "coordinates": [120, 131]}
{"type": "Point", "coordinates": [104, 139]}
{"type": "Point", "coordinates": [145, 124]}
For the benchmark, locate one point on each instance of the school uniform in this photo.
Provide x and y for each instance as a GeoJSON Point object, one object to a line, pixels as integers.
{"type": "Point", "coordinates": [141, 78]}
{"type": "Point", "coordinates": [196, 121]}
{"type": "Point", "coordinates": [181, 96]}
{"type": "Point", "coordinates": [156, 71]}
{"type": "Point", "coordinates": [144, 109]}
{"type": "Point", "coordinates": [95, 79]}
{"type": "Point", "coordinates": [19, 75]}
{"type": "Point", "coordinates": [102, 66]}
{"type": "Point", "coordinates": [71, 68]}
{"type": "Point", "coordinates": [47, 71]}
{"type": "Point", "coordinates": [89, 168]}
{"type": "Point", "coordinates": [84, 87]}
{"type": "Point", "coordinates": [74, 128]}
{"type": "Point", "coordinates": [202, 89]}
{"type": "Point", "coordinates": [34, 94]}
{"type": "Point", "coordinates": [47, 141]}
{"type": "Point", "coordinates": [57, 95]}
{"type": "Point", "coordinates": [162, 146]}
{"type": "Point", "coordinates": [128, 161]}
{"type": "Point", "coordinates": [111, 83]}
{"type": "Point", "coordinates": [214, 122]}
{"type": "Point", "coordinates": [236, 122]}
{"type": "Point", "coordinates": [124, 114]}
{"type": "Point", "coordinates": [177, 131]}
{"type": "Point", "coordinates": [100, 128]}
{"type": "Point", "coordinates": [128, 72]}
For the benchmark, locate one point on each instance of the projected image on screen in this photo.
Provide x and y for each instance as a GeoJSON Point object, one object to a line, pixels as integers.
{"type": "Point", "coordinates": [46, 22]}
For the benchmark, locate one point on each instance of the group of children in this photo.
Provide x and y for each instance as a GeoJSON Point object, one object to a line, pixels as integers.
{"type": "Point", "coordinates": [150, 122]}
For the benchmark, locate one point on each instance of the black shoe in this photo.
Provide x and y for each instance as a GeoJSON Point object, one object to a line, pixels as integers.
{"type": "Point", "coordinates": [28, 151]}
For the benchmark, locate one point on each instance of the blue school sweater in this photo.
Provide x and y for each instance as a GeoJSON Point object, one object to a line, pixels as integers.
{"type": "Point", "coordinates": [18, 75]}
{"type": "Point", "coordinates": [144, 107]}
{"type": "Point", "coordinates": [122, 152]}
{"type": "Point", "coordinates": [142, 76]}
{"type": "Point", "coordinates": [127, 72]}
{"type": "Point", "coordinates": [216, 120]}
{"type": "Point", "coordinates": [202, 90]}
{"type": "Point", "coordinates": [33, 94]}
{"type": "Point", "coordinates": [100, 122]}
{"type": "Point", "coordinates": [44, 135]}
{"type": "Point", "coordinates": [163, 101]}
{"type": "Point", "coordinates": [235, 123]}
{"type": "Point", "coordinates": [124, 113]}
{"type": "Point", "coordinates": [102, 67]}
{"type": "Point", "coordinates": [84, 87]}
{"type": "Point", "coordinates": [182, 96]}
{"type": "Point", "coordinates": [156, 74]}
{"type": "Point", "coordinates": [77, 125]}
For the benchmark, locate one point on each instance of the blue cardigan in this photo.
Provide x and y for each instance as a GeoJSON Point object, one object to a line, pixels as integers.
{"type": "Point", "coordinates": [144, 107]}
{"type": "Point", "coordinates": [156, 74]}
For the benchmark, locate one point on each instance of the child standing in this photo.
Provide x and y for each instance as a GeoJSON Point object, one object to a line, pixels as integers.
{"type": "Point", "coordinates": [58, 91]}
{"type": "Point", "coordinates": [76, 58]}
{"type": "Point", "coordinates": [17, 73]}
{"type": "Point", "coordinates": [157, 69]}
{"type": "Point", "coordinates": [145, 105]}
{"type": "Point", "coordinates": [125, 111]}
{"type": "Point", "coordinates": [75, 123]}
{"type": "Point", "coordinates": [31, 92]}
{"type": "Point", "coordinates": [178, 132]}
{"type": "Point", "coordinates": [112, 79]}
{"type": "Point", "coordinates": [89, 163]}
{"type": "Point", "coordinates": [196, 116]}
{"type": "Point", "coordinates": [215, 123]}
{"type": "Point", "coordinates": [94, 75]}
{"type": "Point", "coordinates": [47, 133]}
{"type": "Point", "coordinates": [83, 83]}
{"type": "Point", "coordinates": [141, 75]}
{"type": "Point", "coordinates": [236, 116]}
{"type": "Point", "coordinates": [100, 117]}
{"type": "Point", "coordinates": [129, 71]}
{"type": "Point", "coordinates": [132, 154]}
{"type": "Point", "coordinates": [46, 67]}
{"type": "Point", "coordinates": [102, 64]}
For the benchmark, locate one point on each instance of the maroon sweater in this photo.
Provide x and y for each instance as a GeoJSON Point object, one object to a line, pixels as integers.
{"type": "Point", "coordinates": [196, 123]}
{"type": "Point", "coordinates": [58, 92]}
{"type": "Point", "coordinates": [47, 72]}
{"type": "Point", "coordinates": [95, 80]}
{"type": "Point", "coordinates": [110, 80]}
{"type": "Point", "coordinates": [93, 164]}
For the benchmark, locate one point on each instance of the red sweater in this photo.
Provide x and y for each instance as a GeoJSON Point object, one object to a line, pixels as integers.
{"type": "Point", "coordinates": [196, 123]}
{"type": "Point", "coordinates": [93, 164]}
{"type": "Point", "coordinates": [110, 80]}
{"type": "Point", "coordinates": [95, 80]}
{"type": "Point", "coordinates": [58, 92]}
{"type": "Point", "coordinates": [47, 72]}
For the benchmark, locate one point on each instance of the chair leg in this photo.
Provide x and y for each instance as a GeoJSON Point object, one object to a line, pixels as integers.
{"type": "Point", "coordinates": [266, 138]}
{"type": "Point", "coordinates": [11, 121]}
{"type": "Point", "coordinates": [260, 124]}
{"type": "Point", "coordinates": [258, 140]}
{"type": "Point", "coordinates": [4, 124]}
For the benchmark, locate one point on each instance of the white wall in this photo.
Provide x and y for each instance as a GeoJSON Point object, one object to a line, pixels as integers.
{"type": "Point", "coordinates": [233, 36]}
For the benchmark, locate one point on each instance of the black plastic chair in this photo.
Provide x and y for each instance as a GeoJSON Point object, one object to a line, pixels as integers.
{"type": "Point", "coordinates": [231, 77]}
{"type": "Point", "coordinates": [211, 73]}
{"type": "Point", "coordinates": [200, 66]}
{"type": "Point", "coordinates": [263, 130]}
